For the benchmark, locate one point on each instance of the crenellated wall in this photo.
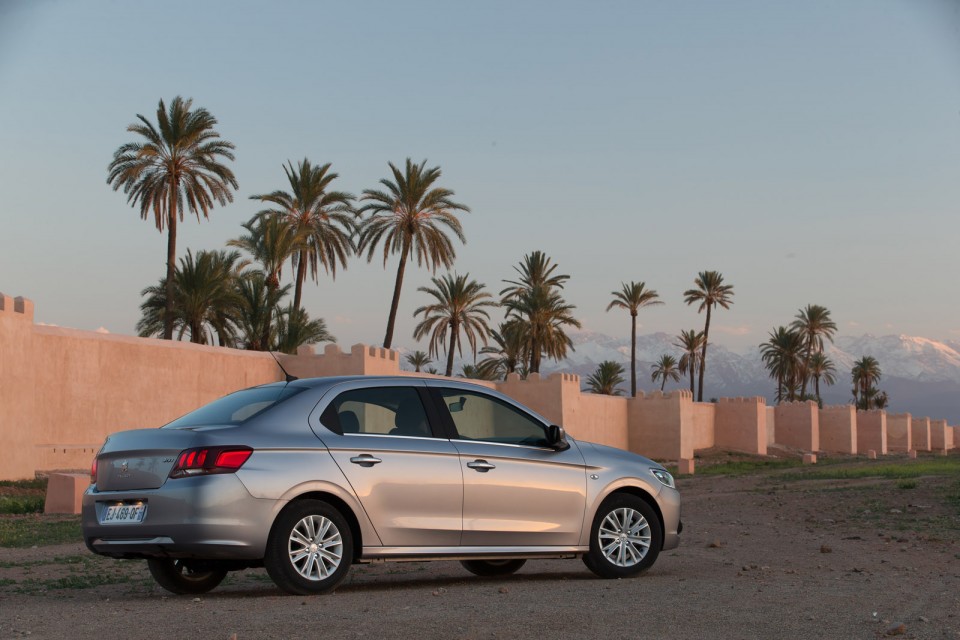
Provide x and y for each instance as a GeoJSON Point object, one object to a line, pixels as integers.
{"type": "Point", "coordinates": [63, 390]}
{"type": "Point", "coordinates": [920, 433]}
{"type": "Point", "coordinates": [798, 425]}
{"type": "Point", "coordinates": [899, 432]}
{"type": "Point", "coordinates": [741, 425]}
{"type": "Point", "coordinates": [838, 429]}
{"type": "Point", "coordinates": [872, 431]}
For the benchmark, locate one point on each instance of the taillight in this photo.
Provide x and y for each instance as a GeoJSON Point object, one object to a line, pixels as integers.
{"type": "Point", "coordinates": [93, 470]}
{"type": "Point", "coordinates": [206, 460]}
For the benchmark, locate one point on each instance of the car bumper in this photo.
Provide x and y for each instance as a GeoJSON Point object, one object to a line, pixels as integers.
{"type": "Point", "coordinates": [208, 517]}
{"type": "Point", "coordinates": [669, 501]}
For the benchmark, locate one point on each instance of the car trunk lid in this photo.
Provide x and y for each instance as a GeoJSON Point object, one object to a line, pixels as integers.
{"type": "Point", "coordinates": [140, 459]}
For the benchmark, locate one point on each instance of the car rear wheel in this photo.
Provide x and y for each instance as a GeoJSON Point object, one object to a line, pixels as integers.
{"type": "Point", "coordinates": [490, 568]}
{"type": "Point", "coordinates": [625, 538]}
{"type": "Point", "coordinates": [185, 576]}
{"type": "Point", "coordinates": [310, 548]}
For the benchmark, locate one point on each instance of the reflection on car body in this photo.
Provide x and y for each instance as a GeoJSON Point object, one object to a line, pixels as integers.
{"type": "Point", "coordinates": [309, 476]}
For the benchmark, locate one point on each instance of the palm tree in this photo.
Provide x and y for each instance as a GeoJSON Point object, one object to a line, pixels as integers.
{"type": "Point", "coordinates": [205, 299]}
{"type": "Point", "coordinates": [179, 162]}
{"type": "Point", "coordinates": [507, 354]}
{"type": "Point", "coordinates": [418, 359]}
{"type": "Point", "coordinates": [294, 328]}
{"type": "Point", "coordinates": [475, 372]}
{"type": "Point", "coordinates": [633, 297]}
{"type": "Point", "coordinates": [534, 303]}
{"type": "Point", "coordinates": [409, 218]}
{"type": "Point", "coordinates": [813, 323]}
{"type": "Point", "coordinates": [271, 240]}
{"type": "Point", "coordinates": [663, 369]}
{"type": "Point", "coordinates": [536, 270]}
{"type": "Point", "coordinates": [691, 342]}
{"type": "Point", "coordinates": [782, 354]}
{"type": "Point", "coordinates": [710, 292]}
{"type": "Point", "coordinates": [323, 217]}
{"type": "Point", "coordinates": [606, 378]}
{"type": "Point", "coordinates": [261, 303]}
{"type": "Point", "coordinates": [820, 366]}
{"type": "Point", "coordinates": [865, 374]}
{"type": "Point", "coordinates": [460, 305]}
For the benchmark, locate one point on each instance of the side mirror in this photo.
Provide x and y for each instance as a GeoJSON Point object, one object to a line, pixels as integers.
{"type": "Point", "coordinates": [457, 406]}
{"type": "Point", "coordinates": [557, 438]}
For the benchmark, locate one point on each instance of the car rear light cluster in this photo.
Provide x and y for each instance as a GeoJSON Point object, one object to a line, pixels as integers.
{"type": "Point", "coordinates": [207, 460]}
{"type": "Point", "coordinates": [93, 469]}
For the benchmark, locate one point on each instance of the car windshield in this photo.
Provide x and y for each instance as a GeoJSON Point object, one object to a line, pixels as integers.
{"type": "Point", "coordinates": [235, 408]}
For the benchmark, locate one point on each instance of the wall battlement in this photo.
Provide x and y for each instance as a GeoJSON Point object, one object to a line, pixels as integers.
{"type": "Point", "coordinates": [757, 400]}
{"type": "Point", "coordinates": [20, 306]}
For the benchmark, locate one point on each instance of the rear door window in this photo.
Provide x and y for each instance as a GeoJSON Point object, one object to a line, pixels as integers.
{"type": "Point", "coordinates": [389, 411]}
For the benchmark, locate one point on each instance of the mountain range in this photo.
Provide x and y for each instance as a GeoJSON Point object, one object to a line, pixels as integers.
{"type": "Point", "coordinates": [920, 375]}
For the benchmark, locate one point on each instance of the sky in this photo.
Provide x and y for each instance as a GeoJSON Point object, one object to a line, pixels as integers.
{"type": "Point", "coordinates": [809, 151]}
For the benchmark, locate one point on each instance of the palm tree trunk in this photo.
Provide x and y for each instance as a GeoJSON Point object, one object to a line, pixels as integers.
{"type": "Point", "coordinates": [662, 384]}
{"type": "Point", "coordinates": [816, 386]}
{"type": "Point", "coordinates": [803, 371]}
{"type": "Point", "coordinates": [388, 339]}
{"type": "Point", "coordinates": [454, 330]}
{"type": "Point", "coordinates": [171, 263]}
{"type": "Point", "coordinates": [703, 354]}
{"type": "Point", "coordinates": [633, 357]}
{"type": "Point", "coordinates": [693, 370]}
{"type": "Point", "coordinates": [301, 276]}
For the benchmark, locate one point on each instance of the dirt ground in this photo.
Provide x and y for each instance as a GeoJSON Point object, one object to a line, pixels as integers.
{"type": "Point", "coordinates": [764, 555]}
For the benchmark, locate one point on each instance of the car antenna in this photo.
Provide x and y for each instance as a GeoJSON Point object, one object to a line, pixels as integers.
{"type": "Point", "coordinates": [290, 378]}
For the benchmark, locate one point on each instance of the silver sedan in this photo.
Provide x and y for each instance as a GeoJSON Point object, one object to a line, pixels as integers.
{"type": "Point", "coordinates": [309, 476]}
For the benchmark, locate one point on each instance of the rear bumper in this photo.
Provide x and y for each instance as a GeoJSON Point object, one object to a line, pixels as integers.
{"type": "Point", "coordinates": [208, 517]}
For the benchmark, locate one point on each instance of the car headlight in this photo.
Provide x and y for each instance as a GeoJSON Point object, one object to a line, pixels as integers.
{"type": "Point", "coordinates": [663, 476]}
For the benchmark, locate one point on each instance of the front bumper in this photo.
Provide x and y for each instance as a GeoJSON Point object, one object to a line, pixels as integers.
{"type": "Point", "coordinates": [669, 501]}
{"type": "Point", "coordinates": [208, 517]}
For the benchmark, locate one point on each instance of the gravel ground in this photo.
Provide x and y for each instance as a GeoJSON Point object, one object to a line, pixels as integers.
{"type": "Point", "coordinates": [762, 556]}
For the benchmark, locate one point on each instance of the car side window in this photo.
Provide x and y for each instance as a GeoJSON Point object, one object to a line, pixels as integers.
{"type": "Point", "coordinates": [395, 411]}
{"type": "Point", "coordinates": [481, 417]}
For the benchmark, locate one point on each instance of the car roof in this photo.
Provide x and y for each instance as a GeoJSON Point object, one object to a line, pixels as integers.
{"type": "Point", "coordinates": [333, 380]}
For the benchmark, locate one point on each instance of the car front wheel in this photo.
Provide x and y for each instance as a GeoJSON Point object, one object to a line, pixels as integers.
{"type": "Point", "coordinates": [491, 568]}
{"type": "Point", "coordinates": [310, 548]}
{"type": "Point", "coordinates": [625, 538]}
{"type": "Point", "coordinates": [185, 576]}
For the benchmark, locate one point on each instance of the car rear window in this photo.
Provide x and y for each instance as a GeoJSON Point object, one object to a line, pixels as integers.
{"type": "Point", "coordinates": [236, 408]}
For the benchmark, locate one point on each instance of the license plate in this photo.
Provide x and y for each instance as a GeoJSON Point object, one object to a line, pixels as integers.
{"type": "Point", "coordinates": [123, 514]}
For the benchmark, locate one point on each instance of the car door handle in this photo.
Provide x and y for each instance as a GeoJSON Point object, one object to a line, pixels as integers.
{"type": "Point", "coordinates": [366, 460]}
{"type": "Point", "coordinates": [481, 465]}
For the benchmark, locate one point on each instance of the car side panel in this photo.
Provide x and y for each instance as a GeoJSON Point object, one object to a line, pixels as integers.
{"type": "Point", "coordinates": [532, 496]}
{"type": "Point", "coordinates": [414, 495]}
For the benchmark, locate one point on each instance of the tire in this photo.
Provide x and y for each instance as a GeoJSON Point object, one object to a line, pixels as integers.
{"type": "Point", "coordinates": [184, 576]}
{"type": "Point", "coordinates": [625, 538]}
{"type": "Point", "coordinates": [492, 568]}
{"type": "Point", "coordinates": [310, 548]}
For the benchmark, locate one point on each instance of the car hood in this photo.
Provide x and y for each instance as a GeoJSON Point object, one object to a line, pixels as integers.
{"type": "Point", "coordinates": [598, 455]}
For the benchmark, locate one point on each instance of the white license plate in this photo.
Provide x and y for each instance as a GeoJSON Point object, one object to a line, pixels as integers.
{"type": "Point", "coordinates": [123, 514]}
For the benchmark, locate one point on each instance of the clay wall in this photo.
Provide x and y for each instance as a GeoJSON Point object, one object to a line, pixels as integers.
{"type": "Point", "coordinates": [899, 432]}
{"type": "Point", "coordinates": [838, 429]}
{"type": "Point", "coordinates": [741, 425]}
{"type": "Point", "coordinates": [872, 431]}
{"type": "Point", "coordinates": [798, 425]}
{"type": "Point", "coordinates": [920, 433]}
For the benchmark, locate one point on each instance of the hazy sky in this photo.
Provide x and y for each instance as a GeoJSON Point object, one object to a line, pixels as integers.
{"type": "Point", "coordinates": [808, 150]}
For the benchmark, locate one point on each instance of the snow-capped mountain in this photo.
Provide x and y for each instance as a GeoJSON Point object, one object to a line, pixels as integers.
{"type": "Point", "coordinates": [920, 375]}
